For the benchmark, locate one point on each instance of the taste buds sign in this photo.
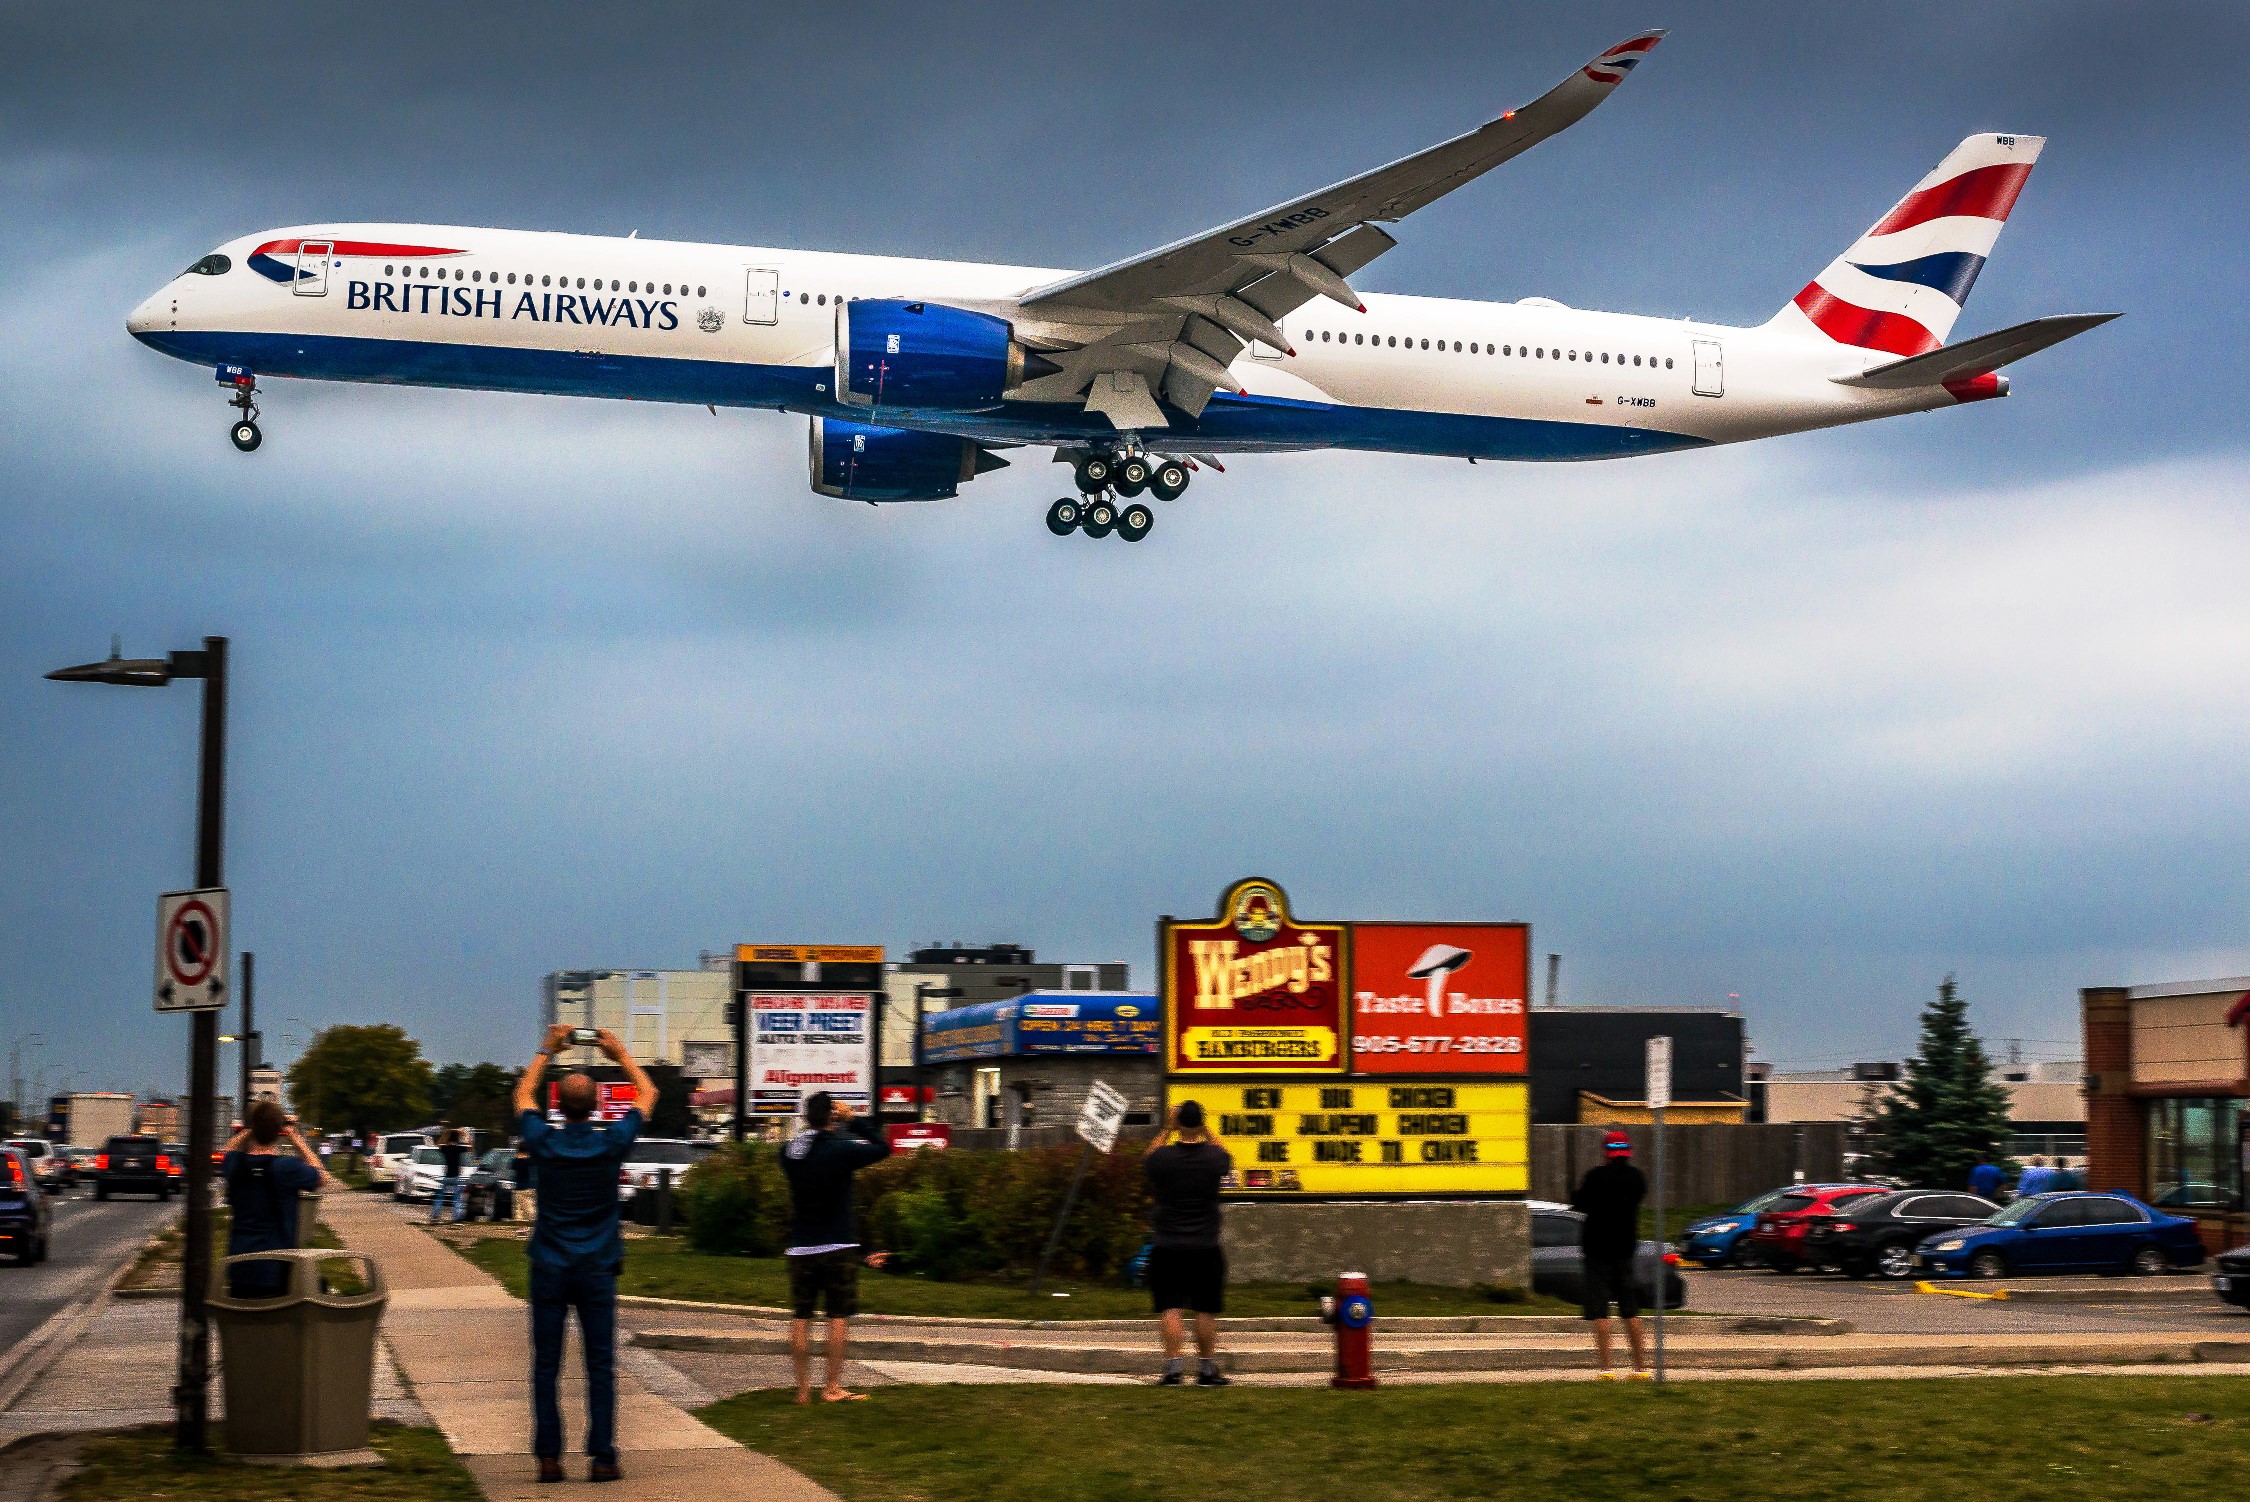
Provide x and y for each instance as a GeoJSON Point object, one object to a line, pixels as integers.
{"type": "Point", "coordinates": [1252, 991]}
{"type": "Point", "coordinates": [1439, 998]}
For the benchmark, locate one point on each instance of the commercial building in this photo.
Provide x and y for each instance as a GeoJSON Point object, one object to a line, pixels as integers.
{"type": "Point", "coordinates": [2046, 1112]}
{"type": "Point", "coordinates": [1031, 1061]}
{"type": "Point", "coordinates": [940, 978]}
{"type": "Point", "coordinates": [1589, 1065]}
{"type": "Point", "coordinates": [2167, 1078]}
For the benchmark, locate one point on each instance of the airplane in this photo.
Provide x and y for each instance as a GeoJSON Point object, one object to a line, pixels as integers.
{"type": "Point", "coordinates": [1248, 338]}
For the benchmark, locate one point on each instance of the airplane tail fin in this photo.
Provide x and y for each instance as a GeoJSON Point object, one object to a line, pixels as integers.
{"type": "Point", "coordinates": [1899, 288]}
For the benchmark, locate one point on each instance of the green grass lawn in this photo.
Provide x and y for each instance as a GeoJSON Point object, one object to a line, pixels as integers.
{"type": "Point", "coordinates": [142, 1465]}
{"type": "Point", "coordinates": [659, 1268]}
{"type": "Point", "coordinates": [2113, 1438]}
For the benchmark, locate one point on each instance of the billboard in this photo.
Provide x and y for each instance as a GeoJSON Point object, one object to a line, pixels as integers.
{"type": "Point", "coordinates": [1439, 998]}
{"type": "Point", "coordinates": [800, 1043]}
{"type": "Point", "coordinates": [1045, 1022]}
{"type": "Point", "coordinates": [1253, 991]}
{"type": "Point", "coordinates": [1404, 1138]}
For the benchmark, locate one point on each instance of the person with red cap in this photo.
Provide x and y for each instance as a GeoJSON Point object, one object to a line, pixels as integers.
{"type": "Point", "coordinates": [1609, 1198]}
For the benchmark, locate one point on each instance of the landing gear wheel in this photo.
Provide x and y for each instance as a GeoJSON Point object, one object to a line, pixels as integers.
{"type": "Point", "coordinates": [1169, 480]}
{"type": "Point", "coordinates": [1132, 476]}
{"type": "Point", "coordinates": [246, 435]}
{"type": "Point", "coordinates": [1093, 474]}
{"type": "Point", "coordinates": [1100, 518]}
{"type": "Point", "coordinates": [1062, 517]}
{"type": "Point", "coordinates": [1134, 521]}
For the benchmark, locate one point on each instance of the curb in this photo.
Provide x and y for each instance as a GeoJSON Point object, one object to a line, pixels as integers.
{"type": "Point", "coordinates": [1458, 1324]}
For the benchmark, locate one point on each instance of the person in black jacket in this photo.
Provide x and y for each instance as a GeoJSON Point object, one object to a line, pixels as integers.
{"type": "Point", "coordinates": [1609, 1198]}
{"type": "Point", "coordinates": [823, 1250]}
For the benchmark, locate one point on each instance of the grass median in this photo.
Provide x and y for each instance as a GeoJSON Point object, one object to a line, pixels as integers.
{"type": "Point", "coordinates": [142, 1465]}
{"type": "Point", "coordinates": [2115, 1438]}
{"type": "Point", "coordinates": [660, 1267]}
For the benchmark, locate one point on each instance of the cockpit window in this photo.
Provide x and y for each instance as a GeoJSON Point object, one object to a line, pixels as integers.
{"type": "Point", "coordinates": [211, 265]}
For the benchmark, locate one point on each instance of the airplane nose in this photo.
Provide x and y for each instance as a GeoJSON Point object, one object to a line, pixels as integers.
{"type": "Point", "coordinates": [148, 317]}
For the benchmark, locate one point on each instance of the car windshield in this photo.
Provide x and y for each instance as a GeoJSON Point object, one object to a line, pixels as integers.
{"type": "Point", "coordinates": [401, 1144]}
{"type": "Point", "coordinates": [2017, 1213]}
{"type": "Point", "coordinates": [1789, 1202]}
{"type": "Point", "coordinates": [669, 1152]}
{"type": "Point", "coordinates": [428, 1155]}
{"type": "Point", "coordinates": [1762, 1202]}
{"type": "Point", "coordinates": [1859, 1207]}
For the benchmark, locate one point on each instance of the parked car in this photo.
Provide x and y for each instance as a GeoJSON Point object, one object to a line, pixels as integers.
{"type": "Point", "coordinates": [2231, 1280]}
{"type": "Point", "coordinates": [1876, 1234]}
{"type": "Point", "coordinates": [1718, 1240]}
{"type": "Point", "coordinates": [391, 1152]}
{"type": "Point", "coordinates": [51, 1168]}
{"type": "Point", "coordinates": [1559, 1271]}
{"type": "Point", "coordinates": [1777, 1241]}
{"type": "Point", "coordinates": [488, 1187]}
{"type": "Point", "coordinates": [2068, 1232]}
{"type": "Point", "coordinates": [134, 1165]}
{"type": "Point", "coordinates": [27, 1219]}
{"type": "Point", "coordinates": [648, 1154]}
{"type": "Point", "coordinates": [419, 1175]}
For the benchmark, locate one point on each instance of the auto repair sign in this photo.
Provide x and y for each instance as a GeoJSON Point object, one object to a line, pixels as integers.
{"type": "Point", "coordinates": [1253, 991]}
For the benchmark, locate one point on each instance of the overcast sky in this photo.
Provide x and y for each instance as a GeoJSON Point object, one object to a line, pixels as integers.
{"type": "Point", "coordinates": [527, 683]}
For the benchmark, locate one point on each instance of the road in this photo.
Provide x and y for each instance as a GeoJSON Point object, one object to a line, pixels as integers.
{"type": "Point", "coordinates": [89, 1240]}
{"type": "Point", "coordinates": [2114, 1305]}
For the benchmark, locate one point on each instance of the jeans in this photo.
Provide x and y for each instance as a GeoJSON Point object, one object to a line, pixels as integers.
{"type": "Point", "coordinates": [449, 1188]}
{"type": "Point", "coordinates": [592, 1291]}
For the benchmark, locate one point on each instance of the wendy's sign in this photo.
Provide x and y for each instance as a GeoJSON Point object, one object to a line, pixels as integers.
{"type": "Point", "coordinates": [1253, 991]}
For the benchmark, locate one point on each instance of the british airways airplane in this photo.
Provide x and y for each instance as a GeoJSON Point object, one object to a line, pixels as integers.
{"type": "Point", "coordinates": [1249, 338]}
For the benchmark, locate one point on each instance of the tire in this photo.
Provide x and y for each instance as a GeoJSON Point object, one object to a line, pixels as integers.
{"type": "Point", "coordinates": [1062, 517]}
{"type": "Point", "coordinates": [1100, 519]}
{"type": "Point", "coordinates": [1169, 481]}
{"type": "Point", "coordinates": [1895, 1261]}
{"type": "Point", "coordinates": [246, 436]}
{"type": "Point", "coordinates": [1135, 473]}
{"type": "Point", "coordinates": [1988, 1265]}
{"type": "Point", "coordinates": [1092, 474]}
{"type": "Point", "coordinates": [2150, 1261]}
{"type": "Point", "coordinates": [1134, 521]}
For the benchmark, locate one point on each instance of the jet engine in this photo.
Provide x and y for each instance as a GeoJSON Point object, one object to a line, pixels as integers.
{"type": "Point", "coordinates": [856, 462]}
{"type": "Point", "coordinates": [892, 353]}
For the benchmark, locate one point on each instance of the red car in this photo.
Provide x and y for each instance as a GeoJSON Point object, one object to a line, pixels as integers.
{"type": "Point", "coordinates": [1778, 1239]}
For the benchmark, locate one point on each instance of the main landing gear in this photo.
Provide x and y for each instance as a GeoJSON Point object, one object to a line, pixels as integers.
{"type": "Point", "coordinates": [1109, 488]}
{"type": "Point", "coordinates": [245, 400]}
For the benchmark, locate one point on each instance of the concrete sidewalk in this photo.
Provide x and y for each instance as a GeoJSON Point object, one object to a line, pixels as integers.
{"type": "Point", "coordinates": [464, 1344]}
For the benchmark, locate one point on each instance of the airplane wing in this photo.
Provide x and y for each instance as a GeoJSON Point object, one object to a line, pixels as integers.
{"type": "Point", "coordinates": [1170, 321]}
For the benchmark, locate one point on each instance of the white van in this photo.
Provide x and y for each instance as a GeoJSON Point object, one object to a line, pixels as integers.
{"type": "Point", "coordinates": [392, 1153]}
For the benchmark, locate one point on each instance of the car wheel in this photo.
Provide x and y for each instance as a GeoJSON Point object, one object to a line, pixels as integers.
{"type": "Point", "coordinates": [2150, 1260]}
{"type": "Point", "coordinates": [1988, 1265]}
{"type": "Point", "coordinates": [1895, 1261]}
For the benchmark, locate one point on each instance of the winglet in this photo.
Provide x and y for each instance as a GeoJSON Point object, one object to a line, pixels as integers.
{"type": "Point", "coordinates": [1611, 67]}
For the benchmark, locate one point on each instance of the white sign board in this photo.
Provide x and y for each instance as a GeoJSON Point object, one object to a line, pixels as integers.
{"type": "Point", "coordinates": [1659, 1073]}
{"type": "Point", "coordinates": [191, 950]}
{"type": "Point", "coordinates": [801, 1044]}
{"type": "Point", "coordinates": [1101, 1116]}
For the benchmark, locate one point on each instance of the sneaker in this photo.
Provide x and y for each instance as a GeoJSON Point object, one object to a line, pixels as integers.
{"type": "Point", "coordinates": [550, 1470]}
{"type": "Point", "coordinates": [604, 1470]}
{"type": "Point", "coordinates": [1637, 1376]}
{"type": "Point", "coordinates": [1170, 1379]}
{"type": "Point", "coordinates": [1605, 1375]}
{"type": "Point", "coordinates": [1213, 1378]}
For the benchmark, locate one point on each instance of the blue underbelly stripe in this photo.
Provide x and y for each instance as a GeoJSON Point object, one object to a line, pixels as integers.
{"type": "Point", "coordinates": [1229, 423]}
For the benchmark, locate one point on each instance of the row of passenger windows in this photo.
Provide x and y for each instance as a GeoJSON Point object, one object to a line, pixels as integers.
{"type": "Point", "coordinates": [545, 281]}
{"type": "Point", "coordinates": [1519, 351]}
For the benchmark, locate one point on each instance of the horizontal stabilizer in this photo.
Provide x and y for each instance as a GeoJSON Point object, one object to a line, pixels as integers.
{"type": "Point", "coordinates": [1978, 356]}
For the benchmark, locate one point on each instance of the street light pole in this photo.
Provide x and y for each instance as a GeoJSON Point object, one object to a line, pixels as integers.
{"type": "Point", "coordinates": [191, 1389]}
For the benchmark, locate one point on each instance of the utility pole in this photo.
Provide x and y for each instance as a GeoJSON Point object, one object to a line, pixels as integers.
{"type": "Point", "coordinates": [1554, 976]}
{"type": "Point", "coordinates": [249, 1039]}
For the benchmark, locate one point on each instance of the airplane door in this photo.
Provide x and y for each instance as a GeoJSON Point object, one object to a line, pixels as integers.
{"type": "Point", "coordinates": [312, 267]}
{"type": "Point", "coordinates": [1710, 369]}
{"type": "Point", "coordinates": [761, 303]}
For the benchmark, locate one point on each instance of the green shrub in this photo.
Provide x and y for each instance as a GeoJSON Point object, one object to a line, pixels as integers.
{"type": "Point", "coordinates": [737, 1202]}
{"type": "Point", "coordinates": [956, 1213]}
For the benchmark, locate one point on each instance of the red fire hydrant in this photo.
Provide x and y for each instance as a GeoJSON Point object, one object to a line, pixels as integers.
{"type": "Point", "coordinates": [1352, 1312]}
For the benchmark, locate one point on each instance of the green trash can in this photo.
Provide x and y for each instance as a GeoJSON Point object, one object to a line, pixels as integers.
{"type": "Point", "coordinates": [300, 1366]}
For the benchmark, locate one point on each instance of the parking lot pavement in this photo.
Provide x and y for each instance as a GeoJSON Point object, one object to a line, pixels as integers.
{"type": "Point", "coordinates": [90, 1240]}
{"type": "Point", "coordinates": [1897, 1309]}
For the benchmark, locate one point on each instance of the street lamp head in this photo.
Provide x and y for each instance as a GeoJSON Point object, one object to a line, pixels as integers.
{"type": "Point", "coordinates": [133, 672]}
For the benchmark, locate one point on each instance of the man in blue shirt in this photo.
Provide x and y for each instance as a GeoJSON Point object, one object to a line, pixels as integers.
{"type": "Point", "coordinates": [1984, 1179]}
{"type": "Point", "coordinates": [262, 1189]}
{"type": "Point", "coordinates": [576, 1250]}
{"type": "Point", "coordinates": [2037, 1179]}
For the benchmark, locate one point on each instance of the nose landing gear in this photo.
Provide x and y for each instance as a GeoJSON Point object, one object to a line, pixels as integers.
{"type": "Point", "coordinates": [245, 400]}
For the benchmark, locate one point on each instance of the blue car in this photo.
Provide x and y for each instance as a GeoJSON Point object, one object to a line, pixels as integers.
{"type": "Point", "coordinates": [1714, 1240]}
{"type": "Point", "coordinates": [2068, 1232]}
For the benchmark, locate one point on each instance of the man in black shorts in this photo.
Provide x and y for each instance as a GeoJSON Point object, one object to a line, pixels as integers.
{"type": "Point", "coordinates": [823, 1250]}
{"type": "Point", "coordinates": [1609, 1198]}
{"type": "Point", "coordinates": [1186, 1269]}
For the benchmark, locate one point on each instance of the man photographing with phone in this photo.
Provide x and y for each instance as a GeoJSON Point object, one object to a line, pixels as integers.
{"type": "Point", "coordinates": [576, 1249]}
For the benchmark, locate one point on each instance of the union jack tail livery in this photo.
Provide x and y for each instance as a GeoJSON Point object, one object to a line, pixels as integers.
{"type": "Point", "coordinates": [1901, 285]}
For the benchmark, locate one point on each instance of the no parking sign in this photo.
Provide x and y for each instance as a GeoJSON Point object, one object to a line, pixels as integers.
{"type": "Point", "coordinates": [191, 950]}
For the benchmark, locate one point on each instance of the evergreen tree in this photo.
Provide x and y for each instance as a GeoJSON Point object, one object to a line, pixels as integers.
{"type": "Point", "coordinates": [1948, 1113]}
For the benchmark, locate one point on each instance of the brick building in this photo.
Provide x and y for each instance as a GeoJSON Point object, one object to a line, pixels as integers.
{"type": "Point", "coordinates": [2167, 1081]}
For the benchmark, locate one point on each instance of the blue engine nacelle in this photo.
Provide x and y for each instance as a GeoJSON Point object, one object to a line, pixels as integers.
{"type": "Point", "coordinates": [892, 353]}
{"type": "Point", "coordinates": [856, 462]}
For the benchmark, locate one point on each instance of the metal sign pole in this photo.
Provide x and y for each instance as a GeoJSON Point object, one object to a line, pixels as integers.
{"type": "Point", "coordinates": [1054, 1238]}
{"type": "Point", "coordinates": [1661, 1267]}
{"type": "Point", "coordinates": [191, 1393]}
